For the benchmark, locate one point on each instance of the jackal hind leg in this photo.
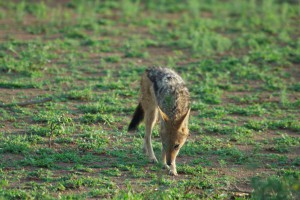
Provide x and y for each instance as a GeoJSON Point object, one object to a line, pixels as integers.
{"type": "Point", "coordinates": [150, 119]}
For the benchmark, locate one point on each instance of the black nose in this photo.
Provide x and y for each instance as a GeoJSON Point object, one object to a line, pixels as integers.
{"type": "Point", "coordinates": [169, 163]}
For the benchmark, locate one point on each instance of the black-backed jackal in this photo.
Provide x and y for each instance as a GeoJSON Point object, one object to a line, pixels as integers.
{"type": "Point", "coordinates": [164, 94]}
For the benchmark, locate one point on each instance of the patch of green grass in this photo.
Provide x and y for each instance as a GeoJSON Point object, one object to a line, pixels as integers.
{"type": "Point", "coordinates": [284, 143]}
{"type": "Point", "coordinates": [95, 118]}
{"type": "Point", "coordinates": [42, 174]}
{"type": "Point", "coordinates": [28, 58]}
{"type": "Point", "coordinates": [276, 188]}
{"type": "Point", "coordinates": [233, 154]}
{"type": "Point", "coordinates": [104, 105]}
{"type": "Point", "coordinates": [130, 8]}
{"type": "Point", "coordinates": [257, 125]}
{"type": "Point", "coordinates": [17, 84]}
{"type": "Point", "coordinates": [296, 161]}
{"type": "Point", "coordinates": [112, 172]}
{"type": "Point", "coordinates": [252, 110]}
{"type": "Point", "coordinates": [239, 60]}
{"type": "Point", "coordinates": [15, 144]}
{"type": "Point", "coordinates": [246, 99]}
{"type": "Point", "coordinates": [113, 59]}
{"type": "Point", "coordinates": [84, 94]}
{"type": "Point", "coordinates": [93, 140]}
{"type": "Point", "coordinates": [208, 94]}
{"type": "Point", "coordinates": [134, 49]}
{"type": "Point", "coordinates": [290, 124]}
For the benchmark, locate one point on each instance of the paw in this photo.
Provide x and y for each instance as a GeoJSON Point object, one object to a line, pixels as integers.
{"type": "Point", "coordinates": [165, 166]}
{"type": "Point", "coordinates": [153, 160]}
{"type": "Point", "coordinates": [173, 173]}
{"type": "Point", "coordinates": [173, 170]}
{"type": "Point", "coordinates": [145, 150]}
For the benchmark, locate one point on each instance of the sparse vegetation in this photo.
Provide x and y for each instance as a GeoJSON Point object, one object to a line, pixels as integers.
{"type": "Point", "coordinates": [240, 60]}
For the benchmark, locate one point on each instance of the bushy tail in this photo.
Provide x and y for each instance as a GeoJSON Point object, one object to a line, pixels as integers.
{"type": "Point", "coordinates": [137, 118]}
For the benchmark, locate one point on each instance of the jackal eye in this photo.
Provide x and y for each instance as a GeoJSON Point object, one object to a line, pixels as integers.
{"type": "Point", "coordinates": [176, 146]}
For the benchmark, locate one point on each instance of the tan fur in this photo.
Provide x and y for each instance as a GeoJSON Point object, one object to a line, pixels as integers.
{"type": "Point", "coordinates": [173, 130]}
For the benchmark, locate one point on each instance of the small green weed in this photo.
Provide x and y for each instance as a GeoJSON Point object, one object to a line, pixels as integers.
{"type": "Point", "coordinates": [57, 126]}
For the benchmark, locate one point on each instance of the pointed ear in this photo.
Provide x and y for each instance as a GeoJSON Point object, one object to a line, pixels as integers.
{"type": "Point", "coordinates": [184, 119]}
{"type": "Point", "coordinates": [163, 115]}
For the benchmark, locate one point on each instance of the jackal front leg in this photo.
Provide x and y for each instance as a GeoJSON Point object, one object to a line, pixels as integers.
{"type": "Point", "coordinates": [172, 168]}
{"type": "Point", "coordinates": [150, 119]}
{"type": "Point", "coordinates": [164, 159]}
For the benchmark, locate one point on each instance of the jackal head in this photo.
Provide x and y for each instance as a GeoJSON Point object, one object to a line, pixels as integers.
{"type": "Point", "coordinates": [173, 135]}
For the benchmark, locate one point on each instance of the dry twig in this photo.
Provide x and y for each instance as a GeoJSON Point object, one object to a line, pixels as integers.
{"type": "Point", "coordinates": [26, 103]}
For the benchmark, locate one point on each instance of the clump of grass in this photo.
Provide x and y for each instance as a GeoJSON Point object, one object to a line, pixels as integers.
{"type": "Point", "coordinates": [33, 57]}
{"type": "Point", "coordinates": [130, 8]}
{"type": "Point", "coordinates": [73, 181]}
{"type": "Point", "coordinates": [284, 143]}
{"type": "Point", "coordinates": [207, 43]}
{"type": "Point", "coordinates": [93, 108]}
{"type": "Point", "coordinates": [132, 51]}
{"type": "Point", "coordinates": [257, 125]}
{"type": "Point", "coordinates": [209, 93]}
{"type": "Point", "coordinates": [246, 99]}
{"type": "Point", "coordinates": [15, 144]}
{"type": "Point", "coordinates": [97, 118]}
{"type": "Point", "coordinates": [38, 130]}
{"type": "Point", "coordinates": [295, 87]}
{"type": "Point", "coordinates": [93, 140]}
{"type": "Point", "coordinates": [276, 187]}
{"type": "Point", "coordinates": [112, 172]}
{"type": "Point", "coordinates": [18, 84]}
{"type": "Point", "coordinates": [232, 154]}
{"type": "Point", "coordinates": [252, 110]}
{"type": "Point", "coordinates": [135, 48]}
{"type": "Point", "coordinates": [113, 59]}
{"type": "Point", "coordinates": [215, 113]}
{"type": "Point", "coordinates": [83, 95]}
{"type": "Point", "coordinates": [296, 161]}
{"type": "Point", "coordinates": [42, 174]}
{"type": "Point", "coordinates": [290, 124]}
